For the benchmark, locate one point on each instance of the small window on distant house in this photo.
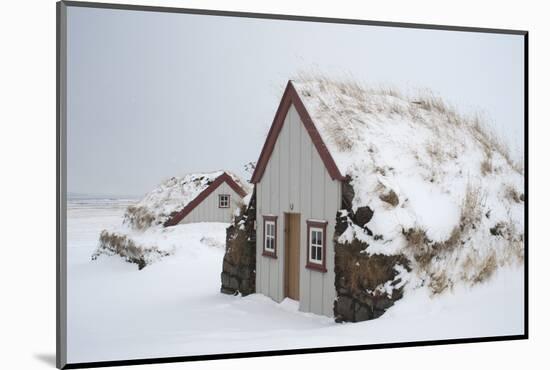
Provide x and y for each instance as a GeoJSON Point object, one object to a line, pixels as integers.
{"type": "Point", "coordinates": [270, 236]}
{"type": "Point", "coordinates": [316, 245]}
{"type": "Point", "coordinates": [223, 201]}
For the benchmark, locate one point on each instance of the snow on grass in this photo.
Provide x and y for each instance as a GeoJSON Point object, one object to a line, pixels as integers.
{"type": "Point", "coordinates": [174, 307]}
{"type": "Point", "coordinates": [414, 161]}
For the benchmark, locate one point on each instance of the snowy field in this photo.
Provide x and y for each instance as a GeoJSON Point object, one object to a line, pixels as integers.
{"type": "Point", "coordinates": [174, 308]}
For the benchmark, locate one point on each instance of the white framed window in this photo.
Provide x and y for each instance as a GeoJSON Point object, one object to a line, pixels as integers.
{"type": "Point", "coordinates": [223, 200]}
{"type": "Point", "coordinates": [270, 236]}
{"type": "Point", "coordinates": [316, 245]}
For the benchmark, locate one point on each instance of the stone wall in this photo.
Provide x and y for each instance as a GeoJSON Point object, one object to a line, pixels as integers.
{"type": "Point", "coordinates": [239, 263]}
{"type": "Point", "coordinates": [366, 285]}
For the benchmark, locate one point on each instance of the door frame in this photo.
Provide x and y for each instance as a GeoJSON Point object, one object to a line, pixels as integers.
{"type": "Point", "coordinates": [286, 259]}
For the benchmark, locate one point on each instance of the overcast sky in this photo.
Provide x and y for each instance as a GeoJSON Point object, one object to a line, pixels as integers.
{"type": "Point", "coordinates": [153, 95]}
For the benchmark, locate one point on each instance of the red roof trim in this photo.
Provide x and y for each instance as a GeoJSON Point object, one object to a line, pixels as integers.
{"type": "Point", "coordinates": [290, 96]}
{"type": "Point", "coordinates": [224, 177]}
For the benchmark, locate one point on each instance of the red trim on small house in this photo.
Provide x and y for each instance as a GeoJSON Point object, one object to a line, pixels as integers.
{"type": "Point", "coordinates": [290, 96]}
{"type": "Point", "coordinates": [220, 200]}
{"type": "Point", "coordinates": [265, 252]}
{"type": "Point", "coordinates": [322, 267]}
{"type": "Point", "coordinates": [224, 177]}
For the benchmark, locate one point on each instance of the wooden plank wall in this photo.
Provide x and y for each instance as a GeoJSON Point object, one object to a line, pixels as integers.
{"type": "Point", "coordinates": [295, 174]}
{"type": "Point", "coordinates": [208, 211]}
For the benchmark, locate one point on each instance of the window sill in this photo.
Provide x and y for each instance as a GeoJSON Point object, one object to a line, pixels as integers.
{"type": "Point", "coordinates": [269, 254]}
{"type": "Point", "coordinates": [316, 267]}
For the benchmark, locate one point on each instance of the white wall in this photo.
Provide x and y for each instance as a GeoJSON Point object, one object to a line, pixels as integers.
{"type": "Point", "coordinates": [296, 174]}
{"type": "Point", "coordinates": [208, 211]}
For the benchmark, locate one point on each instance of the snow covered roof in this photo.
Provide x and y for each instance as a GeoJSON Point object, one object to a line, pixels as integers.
{"type": "Point", "coordinates": [418, 148]}
{"type": "Point", "coordinates": [177, 194]}
{"type": "Point", "coordinates": [230, 179]}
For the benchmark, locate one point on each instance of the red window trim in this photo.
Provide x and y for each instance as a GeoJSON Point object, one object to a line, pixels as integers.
{"type": "Point", "coordinates": [264, 251]}
{"type": "Point", "coordinates": [228, 200]}
{"type": "Point", "coordinates": [321, 267]}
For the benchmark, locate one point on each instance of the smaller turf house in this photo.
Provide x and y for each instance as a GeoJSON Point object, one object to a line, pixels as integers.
{"type": "Point", "coordinates": [195, 197]}
{"type": "Point", "coordinates": [215, 198]}
{"type": "Point", "coordinates": [361, 193]}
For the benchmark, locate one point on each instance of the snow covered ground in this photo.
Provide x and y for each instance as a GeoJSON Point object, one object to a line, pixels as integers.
{"type": "Point", "coordinates": [173, 307]}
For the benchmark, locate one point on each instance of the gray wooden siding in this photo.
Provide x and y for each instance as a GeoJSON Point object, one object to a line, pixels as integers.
{"type": "Point", "coordinates": [295, 174]}
{"type": "Point", "coordinates": [208, 211]}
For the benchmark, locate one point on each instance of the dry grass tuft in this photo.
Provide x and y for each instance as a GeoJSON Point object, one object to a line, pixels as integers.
{"type": "Point", "coordinates": [390, 198]}
{"type": "Point", "coordinates": [341, 137]}
{"type": "Point", "coordinates": [420, 246]}
{"type": "Point", "coordinates": [486, 166]}
{"type": "Point", "coordinates": [486, 268]}
{"type": "Point", "coordinates": [138, 217]}
{"type": "Point", "coordinates": [439, 282]}
{"type": "Point", "coordinates": [435, 152]}
{"type": "Point", "coordinates": [472, 208]}
{"type": "Point", "coordinates": [432, 103]}
{"type": "Point", "coordinates": [426, 252]}
{"type": "Point", "coordinates": [492, 142]}
{"type": "Point", "coordinates": [512, 194]}
{"type": "Point", "coordinates": [111, 243]}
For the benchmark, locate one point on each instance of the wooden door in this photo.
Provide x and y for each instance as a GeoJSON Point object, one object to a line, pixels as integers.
{"type": "Point", "coordinates": [292, 256]}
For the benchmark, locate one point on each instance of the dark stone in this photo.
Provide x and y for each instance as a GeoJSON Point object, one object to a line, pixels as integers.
{"type": "Point", "coordinates": [376, 313]}
{"type": "Point", "coordinates": [362, 313]}
{"type": "Point", "coordinates": [239, 262]}
{"type": "Point", "coordinates": [363, 215]}
{"type": "Point", "coordinates": [341, 223]}
{"type": "Point", "coordinates": [244, 286]}
{"type": "Point", "coordinates": [228, 268]}
{"type": "Point", "coordinates": [368, 231]}
{"type": "Point", "coordinates": [497, 229]}
{"type": "Point", "coordinates": [347, 193]}
{"type": "Point", "coordinates": [230, 291]}
{"type": "Point", "coordinates": [366, 299]}
{"type": "Point", "coordinates": [357, 273]}
{"type": "Point", "coordinates": [344, 306]}
{"type": "Point", "coordinates": [382, 303]}
{"type": "Point", "coordinates": [225, 279]}
{"type": "Point", "coordinates": [234, 283]}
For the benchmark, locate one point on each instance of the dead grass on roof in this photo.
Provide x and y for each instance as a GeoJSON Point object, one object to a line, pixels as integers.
{"type": "Point", "coordinates": [433, 258]}
{"type": "Point", "coordinates": [354, 97]}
